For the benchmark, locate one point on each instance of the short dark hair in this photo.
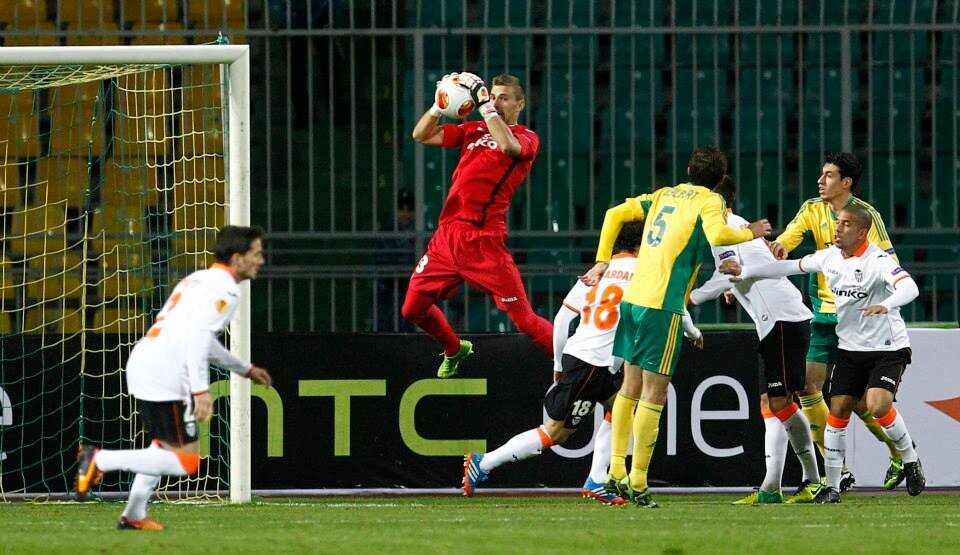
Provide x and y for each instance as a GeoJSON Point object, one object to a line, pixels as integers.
{"type": "Point", "coordinates": [848, 164]}
{"type": "Point", "coordinates": [859, 214]}
{"type": "Point", "coordinates": [727, 189]}
{"type": "Point", "coordinates": [507, 80]}
{"type": "Point", "coordinates": [235, 239]}
{"type": "Point", "coordinates": [708, 165]}
{"type": "Point", "coordinates": [629, 239]}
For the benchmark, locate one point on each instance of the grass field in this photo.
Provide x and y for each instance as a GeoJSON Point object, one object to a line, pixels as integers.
{"type": "Point", "coordinates": [878, 524]}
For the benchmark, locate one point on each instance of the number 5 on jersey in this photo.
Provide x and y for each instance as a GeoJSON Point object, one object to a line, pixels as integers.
{"type": "Point", "coordinates": [607, 313]}
{"type": "Point", "coordinates": [660, 226]}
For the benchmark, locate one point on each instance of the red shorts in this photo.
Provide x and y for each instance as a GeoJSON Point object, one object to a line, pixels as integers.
{"type": "Point", "coordinates": [460, 252]}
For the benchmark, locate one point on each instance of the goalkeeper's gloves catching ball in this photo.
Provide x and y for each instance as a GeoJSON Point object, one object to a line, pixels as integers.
{"type": "Point", "coordinates": [479, 94]}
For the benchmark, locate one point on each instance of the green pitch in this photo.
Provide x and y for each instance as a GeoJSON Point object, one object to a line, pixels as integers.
{"type": "Point", "coordinates": [884, 523]}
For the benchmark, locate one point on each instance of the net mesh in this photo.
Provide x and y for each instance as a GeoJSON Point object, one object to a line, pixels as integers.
{"type": "Point", "coordinates": [112, 189]}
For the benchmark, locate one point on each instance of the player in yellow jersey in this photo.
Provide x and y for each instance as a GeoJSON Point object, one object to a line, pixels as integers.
{"type": "Point", "coordinates": [680, 223]}
{"type": "Point", "coordinates": [816, 219]}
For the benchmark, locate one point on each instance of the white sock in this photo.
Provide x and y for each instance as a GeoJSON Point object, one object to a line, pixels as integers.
{"type": "Point", "coordinates": [798, 430]}
{"type": "Point", "coordinates": [601, 453]}
{"type": "Point", "coordinates": [775, 448]}
{"type": "Point", "coordinates": [521, 446]}
{"type": "Point", "coordinates": [140, 491]}
{"type": "Point", "coordinates": [834, 451]}
{"type": "Point", "coordinates": [898, 433]}
{"type": "Point", "coordinates": [153, 460]}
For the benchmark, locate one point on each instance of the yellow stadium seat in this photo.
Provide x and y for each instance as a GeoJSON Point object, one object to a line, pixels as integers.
{"type": "Point", "coordinates": [19, 126]}
{"type": "Point", "coordinates": [53, 321]}
{"type": "Point", "coordinates": [76, 119]}
{"type": "Point", "coordinates": [123, 321]}
{"type": "Point", "coordinates": [38, 229]}
{"type": "Point", "coordinates": [143, 136]}
{"type": "Point", "coordinates": [149, 10]}
{"type": "Point", "coordinates": [201, 132]}
{"type": "Point", "coordinates": [129, 182]}
{"type": "Point", "coordinates": [89, 13]}
{"type": "Point", "coordinates": [8, 283]}
{"type": "Point", "coordinates": [189, 217]}
{"type": "Point", "coordinates": [141, 126]}
{"type": "Point", "coordinates": [46, 284]}
{"type": "Point", "coordinates": [6, 323]}
{"type": "Point", "coordinates": [118, 222]}
{"type": "Point", "coordinates": [201, 87]}
{"type": "Point", "coordinates": [104, 35]}
{"type": "Point", "coordinates": [62, 180]}
{"type": "Point", "coordinates": [11, 193]}
{"type": "Point", "coordinates": [210, 14]}
{"type": "Point", "coordinates": [199, 180]}
{"type": "Point", "coordinates": [145, 93]}
{"type": "Point", "coordinates": [23, 14]}
{"type": "Point", "coordinates": [158, 33]}
{"type": "Point", "coordinates": [49, 30]}
{"type": "Point", "coordinates": [121, 284]}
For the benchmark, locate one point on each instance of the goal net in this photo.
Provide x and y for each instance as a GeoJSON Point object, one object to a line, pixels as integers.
{"type": "Point", "coordinates": [115, 175]}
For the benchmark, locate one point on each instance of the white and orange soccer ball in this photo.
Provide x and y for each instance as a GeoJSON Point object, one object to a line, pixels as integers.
{"type": "Point", "coordinates": [453, 98]}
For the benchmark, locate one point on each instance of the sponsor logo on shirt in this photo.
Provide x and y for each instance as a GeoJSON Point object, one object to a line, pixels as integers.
{"type": "Point", "coordinates": [726, 254]}
{"type": "Point", "coordinates": [896, 271]}
{"type": "Point", "coordinates": [508, 299]}
{"type": "Point", "coordinates": [486, 140]}
{"type": "Point", "coordinates": [221, 306]}
{"type": "Point", "coordinates": [774, 384]}
{"type": "Point", "coordinates": [887, 379]}
{"type": "Point", "coordinates": [849, 293]}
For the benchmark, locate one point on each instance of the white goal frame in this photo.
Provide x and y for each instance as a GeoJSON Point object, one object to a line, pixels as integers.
{"type": "Point", "coordinates": [237, 61]}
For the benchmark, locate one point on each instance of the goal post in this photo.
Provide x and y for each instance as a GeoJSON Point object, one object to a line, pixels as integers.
{"type": "Point", "coordinates": [48, 69]}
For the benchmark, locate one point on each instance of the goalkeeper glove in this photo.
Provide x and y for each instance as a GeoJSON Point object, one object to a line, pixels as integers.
{"type": "Point", "coordinates": [478, 90]}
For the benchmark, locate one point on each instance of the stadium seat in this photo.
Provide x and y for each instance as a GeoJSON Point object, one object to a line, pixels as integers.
{"type": "Point", "coordinates": [700, 13]}
{"type": "Point", "coordinates": [98, 38]}
{"type": "Point", "coordinates": [158, 33]}
{"type": "Point", "coordinates": [6, 323]}
{"type": "Point", "coordinates": [85, 13]}
{"type": "Point", "coordinates": [899, 48]}
{"type": "Point", "coordinates": [45, 31]}
{"type": "Point", "coordinates": [700, 90]}
{"type": "Point", "coordinates": [759, 179]}
{"type": "Point", "coordinates": [576, 51]}
{"type": "Point", "coordinates": [504, 54]}
{"type": "Point", "coordinates": [129, 182]}
{"type": "Point", "coordinates": [768, 12]}
{"type": "Point", "coordinates": [191, 217]}
{"type": "Point", "coordinates": [145, 136]}
{"type": "Point", "coordinates": [766, 86]}
{"type": "Point", "coordinates": [130, 321]}
{"type": "Point", "coordinates": [916, 11]}
{"type": "Point", "coordinates": [636, 99]}
{"type": "Point", "coordinates": [706, 51]}
{"type": "Point", "coordinates": [23, 14]}
{"type": "Point", "coordinates": [898, 96]}
{"type": "Point", "coordinates": [123, 285]}
{"type": "Point", "coordinates": [201, 132]}
{"type": "Point", "coordinates": [765, 50]}
{"type": "Point", "coordinates": [763, 128]}
{"type": "Point", "coordinates": [211, 14]}
{"type": "Point", "coordinates": [825, 12]}
{"type": "Point", "coordinates": [62, 181]}
{"type": "Point", "coordinates": [425, 14]}
{"type": "Point", "coordinates": [694, 128]}
{"type": "Point", "coordinates": [622, 174]}
{"type": "Point", "coordinates": [946, 198]}
{"type": "Point", "coordinates": [644, 52]}
{"type": "Point", "coordinates": [199, 180]}
{"type": "Point", "coordinates": [19, 126]}
{"type": "Point", "coordinates": [76, 120]}
{"type": "Point", "coordinates": [827, 46]}
{"type": "Point", "coordinates": [148, 10]}
{"type": "Point", "coordinates": [118, 222]}
{"type": "Point", "coordinates": [8, 283]}
{"type": "Point", "coordinates": [629, 14]}
{"type": "Point", "coordinates": [54, 276]}
{"type": "Point", "coordinates": [53, 321]}
{"type": "Point", "coordinates": [202, 90]}
{"type": "Point", "coordinates": [38, 229]}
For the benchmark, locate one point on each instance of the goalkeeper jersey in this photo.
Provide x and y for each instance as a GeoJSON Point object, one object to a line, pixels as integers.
{"type": "Point", "coordinates": [816, 220]}
{"type": "Point", "coordinates": [485, 179]}
{"type": "Point", "coordinates": [171, 361]}
{"type": "Point", "coordinates": [679, 224]}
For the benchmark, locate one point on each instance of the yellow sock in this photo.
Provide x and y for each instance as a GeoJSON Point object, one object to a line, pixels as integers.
{"type": "Point", "coordinates": [816, 411]}
{"type": "Point", "coordinates": [877, 430]}
{"type": "Point", "coordinates": [620, 425]}
{"type": "Point", "coordinates": [646, 428]}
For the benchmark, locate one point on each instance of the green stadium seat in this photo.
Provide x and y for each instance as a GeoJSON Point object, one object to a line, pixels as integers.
{"type": "Point", "coordinates": [765, 49]}
{"type": "Point", "coordinates": [620, 175]}
{"type": "Point", "coordinates": [827, 12]}
{"type": "Point", "coordinates": [916, 11]}
{"type": "Point", "coordinates": [577, 51]}
{"type": "Point", "coordinates": [563, 117]}
{"type": "Point", "coordinates": [759, 179]}
{"type": "Point", "coordinates": [427, 14]}
{"type": "Point", "coordinates": [702, 90]}
{"type": "Point", "coordinates": [895, 47]}
{"type": "Point", "coordinates": [694, 128]}
{"type": "Point", "coordinates": [515, 13]}
{"type": "Point", "coordinates": [888, 179]}
{"type": "Point", "coordinates": [827, 46]}
{"type": "Point", "coordinates": [822, 107]}
{"type": "Point", "coordinates": [946, 197]}
{"type": "Point", "coordinates": [700, 13]}
{"type": "Point", "coordinates": [562, 13]}
{"type": "Point", "coordinates": [637, 51]}
{"type": "Point", "coordinates": [505, 54]}
{"type": "Point", "coordinates": [626, 13]}
{"type": "Point", "coordinates": [898, 103]}
{"type": "Point", "coordinates": [763, 128]}
{"type": "Point", "coordinates": [765, 86]}
{"type": "Point", "coordinates": [706, 51]}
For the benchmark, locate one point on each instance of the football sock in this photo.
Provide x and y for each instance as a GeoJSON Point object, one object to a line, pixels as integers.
{"type": "Point", "coordinates": [775, 450]}
{"type": "Point", "coordinates": [896, 429]}
{"type": "Point", "coordinates": [646, 428]}
{"type": "Point", "coordinates": [621, 423]}
{"type": "Point", "coordinates": [834, 449]}
{"type": "Point", "coordinates": [153, 460]}
{"type": "Point", "coordinates": [529, 323]}
{"type": "Point", "coordinates": [421, 310]}
{"type": "Point", "coordinates": [521, 446]}
{"type": "Point", "coordinates": [877, 430]}
{"type": "Point", "coordinates": [141, 489]}
{"type": "Point", "coordinates": [798, 431]}
{"type": "Point", "coordinates": [816, 411]}
{"type": "Point", "coordinates": [601, 451]}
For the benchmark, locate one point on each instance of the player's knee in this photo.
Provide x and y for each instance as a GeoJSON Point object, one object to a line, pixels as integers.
{"type": "Point", "coordinates": [411, 310]}
{"type": "Point", "coordinates": [522, 316]}
{"type": "Point", "coordinates": [189, 461]}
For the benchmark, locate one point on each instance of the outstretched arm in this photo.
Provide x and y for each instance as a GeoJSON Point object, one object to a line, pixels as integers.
{"type": "Point", "coordinates": [561, 332]}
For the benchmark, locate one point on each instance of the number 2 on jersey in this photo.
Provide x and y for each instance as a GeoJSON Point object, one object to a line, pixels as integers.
{"type": "Point", "coordinates": [607, 313]}
{"type": "Point", "coordinates": [661, 226]}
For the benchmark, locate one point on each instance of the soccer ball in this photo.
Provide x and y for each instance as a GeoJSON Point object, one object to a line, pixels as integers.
{"type": "Point", "coordinates": [453, 98]}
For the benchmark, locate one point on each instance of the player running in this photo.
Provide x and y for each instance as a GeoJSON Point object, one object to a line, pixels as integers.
{"type": "Point", "coordinates": [470, 242]}
{"type": "Point", "coordinates": [869, 288]}
{"type": "Point", "coordinates": [167, 373]}
{"type": "Point", "coordinates": [679, 223]}
{"type": "Point", "coordinates": [585, 375]}
{"type": "Point", "coordinates": [783, 324]}
{"type": "Point", "coordinates": [817, 219]}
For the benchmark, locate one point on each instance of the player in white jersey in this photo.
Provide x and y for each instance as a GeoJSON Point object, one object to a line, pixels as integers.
{"type": "Point", "coordinates": [869, 287]}
{"type": "Point", "coordinates": [783, 325]}
{"type": "Point", "coordinates": [168, 374]}
{"type": "Point", "coordinates": [586, 374]}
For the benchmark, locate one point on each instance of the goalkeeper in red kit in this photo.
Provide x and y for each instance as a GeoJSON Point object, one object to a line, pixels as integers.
{"type": "Point", "coordinates": [470, 242]}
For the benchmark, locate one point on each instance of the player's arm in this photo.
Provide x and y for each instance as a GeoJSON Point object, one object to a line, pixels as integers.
{"type": "Point", "coordinates": [630, 211]}
{"type": "Point", "coordinates": [711, 289]}
{"type": "Point", "coordinates": [905, 290]}
{"type": "Point", "coordinates": [225, 359]}
{"type": "Point", "coordinates": [569, 310]}
{"type": "Point", "coordinates": [792, 236]}
{"type": "Point", "coordinates": [719, 233]}
{"type": "Point", "coordinates": [690, 330]}
{"type": "Point", "coordinates": [777, 268]}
